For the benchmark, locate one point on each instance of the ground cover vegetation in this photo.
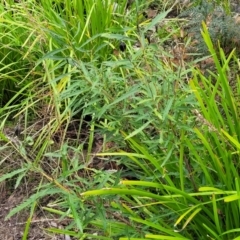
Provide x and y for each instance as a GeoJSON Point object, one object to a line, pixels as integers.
{"type": "Point", "coordinates": [119, 119]}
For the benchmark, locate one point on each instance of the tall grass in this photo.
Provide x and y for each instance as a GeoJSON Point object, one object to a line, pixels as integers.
{"type": "Point", "coordinates": [17, 41]}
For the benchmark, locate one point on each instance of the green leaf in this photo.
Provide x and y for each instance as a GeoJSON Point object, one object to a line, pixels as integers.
{"type": "Point", "coordinates": [31, 200]}
{"type": "Point", "coordinates": [12, 174]}
{"type": "Point", "coordinates": [137, 130]}
{"type": "Point", "coordinates": [163, 237]}
{"type": "Point", "coordinates": [156, 20]}
{"type": "Point", "coordinates": [232, 198]}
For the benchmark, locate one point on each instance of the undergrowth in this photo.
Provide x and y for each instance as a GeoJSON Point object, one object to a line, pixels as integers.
{"type": "Point", "coordinates": [130, 142]}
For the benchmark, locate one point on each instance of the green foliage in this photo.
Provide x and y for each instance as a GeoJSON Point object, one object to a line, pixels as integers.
{"type": "Point", "coordinates": [176, 140]}
{"type": "Point", "coordinates": [17, 41]}
{"type": "Point", "coordinates": [79, 36]}
{"type": "Point", "coordinates": [73, 28]}
{"type": "Point", "coordinates": [207, 161]}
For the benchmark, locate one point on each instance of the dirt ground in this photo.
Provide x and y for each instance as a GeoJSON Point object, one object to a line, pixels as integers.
{"type": "Point", "coordinates": [13, 228]}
